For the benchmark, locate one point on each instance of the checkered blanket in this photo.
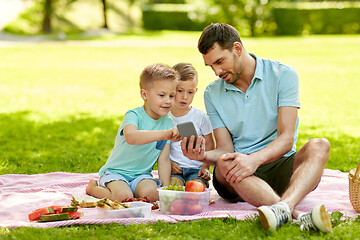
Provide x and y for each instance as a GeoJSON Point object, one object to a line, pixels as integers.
{"type": "Point", "coordinates": [21, 194]}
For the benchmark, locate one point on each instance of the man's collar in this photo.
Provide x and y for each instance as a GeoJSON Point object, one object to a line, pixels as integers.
{"type": "Point", "coordinates": [259, 70]}
{"type": "Point", "coordinates": [258, 74]}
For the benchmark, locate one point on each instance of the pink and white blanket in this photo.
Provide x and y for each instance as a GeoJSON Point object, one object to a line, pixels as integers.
{"type": "Point", "coordinates": [21, 194]}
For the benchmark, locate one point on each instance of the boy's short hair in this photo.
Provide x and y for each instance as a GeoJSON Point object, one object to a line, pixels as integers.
{"type": "Point", "coordinates": [222, 33]}
{"type": "Point", "coordinates": [157, 71]}
{"type": "Point", "coordinates": [186, 71]}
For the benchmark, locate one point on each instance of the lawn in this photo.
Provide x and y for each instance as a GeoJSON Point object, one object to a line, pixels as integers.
{"type": "Point", "coordinates": [62, 102]}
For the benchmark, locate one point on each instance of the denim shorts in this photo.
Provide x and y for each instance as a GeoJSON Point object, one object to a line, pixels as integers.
{"type": "Point", "coordinates": [189, 174]}
{"type": "Point", "coordinates": [109, 176]}
{"type": "Point", "coordinates": [277, 174]}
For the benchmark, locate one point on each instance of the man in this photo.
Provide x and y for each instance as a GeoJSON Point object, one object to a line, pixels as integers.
{"type": "Point", "coordinates": [253, 110]}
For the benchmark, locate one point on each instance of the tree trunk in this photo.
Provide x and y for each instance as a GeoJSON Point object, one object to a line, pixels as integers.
{"type": "Point", "coordinates": [104, 13]}
{"type": "Point", "coordinates": [46, 25]}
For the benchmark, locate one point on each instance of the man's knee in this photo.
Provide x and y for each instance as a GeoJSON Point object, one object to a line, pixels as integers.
{"type": "Point", "coordinates": [319, 148]}
{"type": "Point", "coordinates": [321, 145]}
{"type": "Point", "coordinates": [222, 166]}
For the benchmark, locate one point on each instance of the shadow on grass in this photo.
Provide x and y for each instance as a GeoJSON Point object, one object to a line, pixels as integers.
{"type": "Point", "coordinates": [345, 149]}
{"type": "Point", "coordinates": [83, 143]}
{"type": "Point", "coordinates": [78, 143]}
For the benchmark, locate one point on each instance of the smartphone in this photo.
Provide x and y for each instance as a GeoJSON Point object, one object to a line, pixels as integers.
{"type": "Point", "coordinates": [187, 129]}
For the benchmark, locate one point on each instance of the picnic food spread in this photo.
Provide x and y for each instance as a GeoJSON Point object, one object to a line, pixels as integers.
{"type": "Point", "coordinates": [175, 204]}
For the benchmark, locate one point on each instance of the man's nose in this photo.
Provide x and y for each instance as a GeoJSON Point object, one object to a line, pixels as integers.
{"type": "Point", "coordinates": [216, 70]}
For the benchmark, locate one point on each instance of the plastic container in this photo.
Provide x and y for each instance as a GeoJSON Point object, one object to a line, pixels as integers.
{"type": "Point", "coordinates": [183, 203]}
{"type": "Point", "coordinates": [137, 210]}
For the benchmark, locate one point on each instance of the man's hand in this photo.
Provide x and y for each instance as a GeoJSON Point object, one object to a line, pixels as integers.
{"type": "Point", "coordinates": [175, 168]}
{"type": "Point", "coordinates": [241, 166]}
{"type": "Point", "coordinates": [197, 153]}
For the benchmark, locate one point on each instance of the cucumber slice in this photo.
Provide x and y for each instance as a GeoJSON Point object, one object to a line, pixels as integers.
{"type": "Point", "coordinates": [68, 209]}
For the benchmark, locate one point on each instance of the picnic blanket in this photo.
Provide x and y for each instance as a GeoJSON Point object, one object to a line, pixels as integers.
{"type": "Point", "coordinates": [21, 194]}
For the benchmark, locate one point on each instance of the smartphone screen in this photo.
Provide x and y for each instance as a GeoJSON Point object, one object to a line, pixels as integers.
{"type": "Point", "coordinates": [187, 129]}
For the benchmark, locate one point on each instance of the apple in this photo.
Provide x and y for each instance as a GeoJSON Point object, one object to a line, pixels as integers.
{"type": "Point", "coordinates": [194, 186]}
{"type": "Point", "coordinates": [193, 208]}
{"type": "Point", "coordinates": [177, 207]}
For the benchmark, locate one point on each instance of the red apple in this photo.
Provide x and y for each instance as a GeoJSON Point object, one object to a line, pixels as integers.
{"type": "Point", "coordinates": [194, 186]}
{"type": "Point", "coordinates": [177, 207]}
{"type": "Point", "coordinates": [193, 208]}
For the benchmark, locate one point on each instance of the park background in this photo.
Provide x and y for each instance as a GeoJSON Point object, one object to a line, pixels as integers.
{"type": "Point", "coordinates": [67, 77]}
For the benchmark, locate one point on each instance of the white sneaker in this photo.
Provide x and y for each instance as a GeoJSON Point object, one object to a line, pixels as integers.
{"type": "Point", "coordinates": [318, 219]}
{"type": "Point", "coordinates": [271, 217]}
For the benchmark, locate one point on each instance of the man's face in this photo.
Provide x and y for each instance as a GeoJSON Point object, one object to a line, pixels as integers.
{"type": "Point", "coordinates": [225, 63]}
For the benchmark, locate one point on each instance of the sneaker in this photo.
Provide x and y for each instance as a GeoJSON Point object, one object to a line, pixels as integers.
{"type": "Point", "coordinates": [271, 217]}
{"type": "Point", "coordinates": [318, 219]}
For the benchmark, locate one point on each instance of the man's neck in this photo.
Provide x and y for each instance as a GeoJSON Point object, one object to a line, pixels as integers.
{"type": "Point", "coordinates": [249, 66]}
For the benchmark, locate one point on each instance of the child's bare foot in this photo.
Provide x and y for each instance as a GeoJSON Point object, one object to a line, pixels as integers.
{"type": "Point", "coordinates": [91, 185]}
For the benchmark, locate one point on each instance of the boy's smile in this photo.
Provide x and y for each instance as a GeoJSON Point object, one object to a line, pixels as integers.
{"type": "Point", "coordinates": [159, 98]}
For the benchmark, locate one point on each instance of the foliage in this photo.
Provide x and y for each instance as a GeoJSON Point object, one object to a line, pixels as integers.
{"type": "Point", "coordinates": [250, 17]}
{"type": "Point", "coordinates": [169, 16]}
{"type": "Point", "coordinates": [28, 22]}
{"type": "Point", "coordinates": [74, 16]}
{"type": "Point", "coordinates": [316, 19]}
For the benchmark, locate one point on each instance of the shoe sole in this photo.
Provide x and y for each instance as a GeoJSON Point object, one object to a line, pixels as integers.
{"type": "Point", "coordinates": [321, 218]}
{"type": "Point", "coordinates": [265, 214]}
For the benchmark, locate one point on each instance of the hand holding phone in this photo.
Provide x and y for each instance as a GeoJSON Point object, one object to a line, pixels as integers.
{"type": "Point", "coordinates": [187, 129]}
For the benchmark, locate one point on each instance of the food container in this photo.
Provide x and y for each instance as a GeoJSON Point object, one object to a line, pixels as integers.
{"type": "Point", "coordinates": [137, 210]}
{"type": "Point", "coordinates": [183, 203]}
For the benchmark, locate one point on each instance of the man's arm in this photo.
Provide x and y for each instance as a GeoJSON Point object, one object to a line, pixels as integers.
{"type": "Point", "coordinates": [286, 124]}
{"type": "Point", "coordinates": [243, 165]}
{"type": "Point", "coordinates": [164, 165]}
{"type": "Point", "coordinates": [134, 136]}
{"type": "Point", "coordinates": [223, 145]}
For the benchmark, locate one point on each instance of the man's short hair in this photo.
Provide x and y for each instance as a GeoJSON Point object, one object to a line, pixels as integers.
{"type": "Point", "coordinates": [156, 71]}
{"type": "Point", "coordinates": [186, 71]}
{"type": "Point", "coordinates": [221, 33]}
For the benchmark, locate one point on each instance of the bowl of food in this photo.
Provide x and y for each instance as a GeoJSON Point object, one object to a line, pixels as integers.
{"type": "Point", "coordinates": [181, 202]}
{"type": "Point", "coordinates": [125, 210]}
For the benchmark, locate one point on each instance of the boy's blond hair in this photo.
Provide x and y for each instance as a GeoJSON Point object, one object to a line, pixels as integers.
{"type": "Point", "coordinates": [186, 71]}
{"type": "Point", "coordinates": [157, 71]}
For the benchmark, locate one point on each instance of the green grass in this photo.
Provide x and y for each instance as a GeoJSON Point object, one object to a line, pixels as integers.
{"type": "Point", "coordinates": [62, 102]}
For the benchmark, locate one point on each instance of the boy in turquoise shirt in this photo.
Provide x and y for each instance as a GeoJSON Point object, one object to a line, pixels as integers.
{"type": "Point", "coordinates": [142, 139]}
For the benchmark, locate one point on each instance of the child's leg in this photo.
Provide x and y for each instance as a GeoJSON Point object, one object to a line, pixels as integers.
{"type": "Point", "coordinates": [117, 190]}
{"type": "Point", "coordinates": [147, 188]}
{"type": "Point", "coordinates": [176, 181]}
{"type": "Point", "coordinates": [192, 174]}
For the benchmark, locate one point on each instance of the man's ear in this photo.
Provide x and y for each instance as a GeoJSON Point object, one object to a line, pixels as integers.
{"type": "Point", "coordinates": [196, 90]}
{"type": "Point", "coordinates": [143, 94]}
{"type": "Point", "coordinates": [238, 48]}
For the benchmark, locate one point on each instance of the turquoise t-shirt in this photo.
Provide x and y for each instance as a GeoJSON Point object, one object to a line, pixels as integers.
{"type": "Point", "coordinates": [251, 117]}
{"type": "Point", "coordinates": [134, 160]}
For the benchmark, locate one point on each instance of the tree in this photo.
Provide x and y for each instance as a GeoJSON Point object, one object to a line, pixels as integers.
{"type": "Point", "coordinates": [246, 15]}
{"type": "Point", "coordinates": [104, 3]}
{"type": "Point", "coordinates": [52, 9]}
{"type": "Point", "coordinates": [48, 12]}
